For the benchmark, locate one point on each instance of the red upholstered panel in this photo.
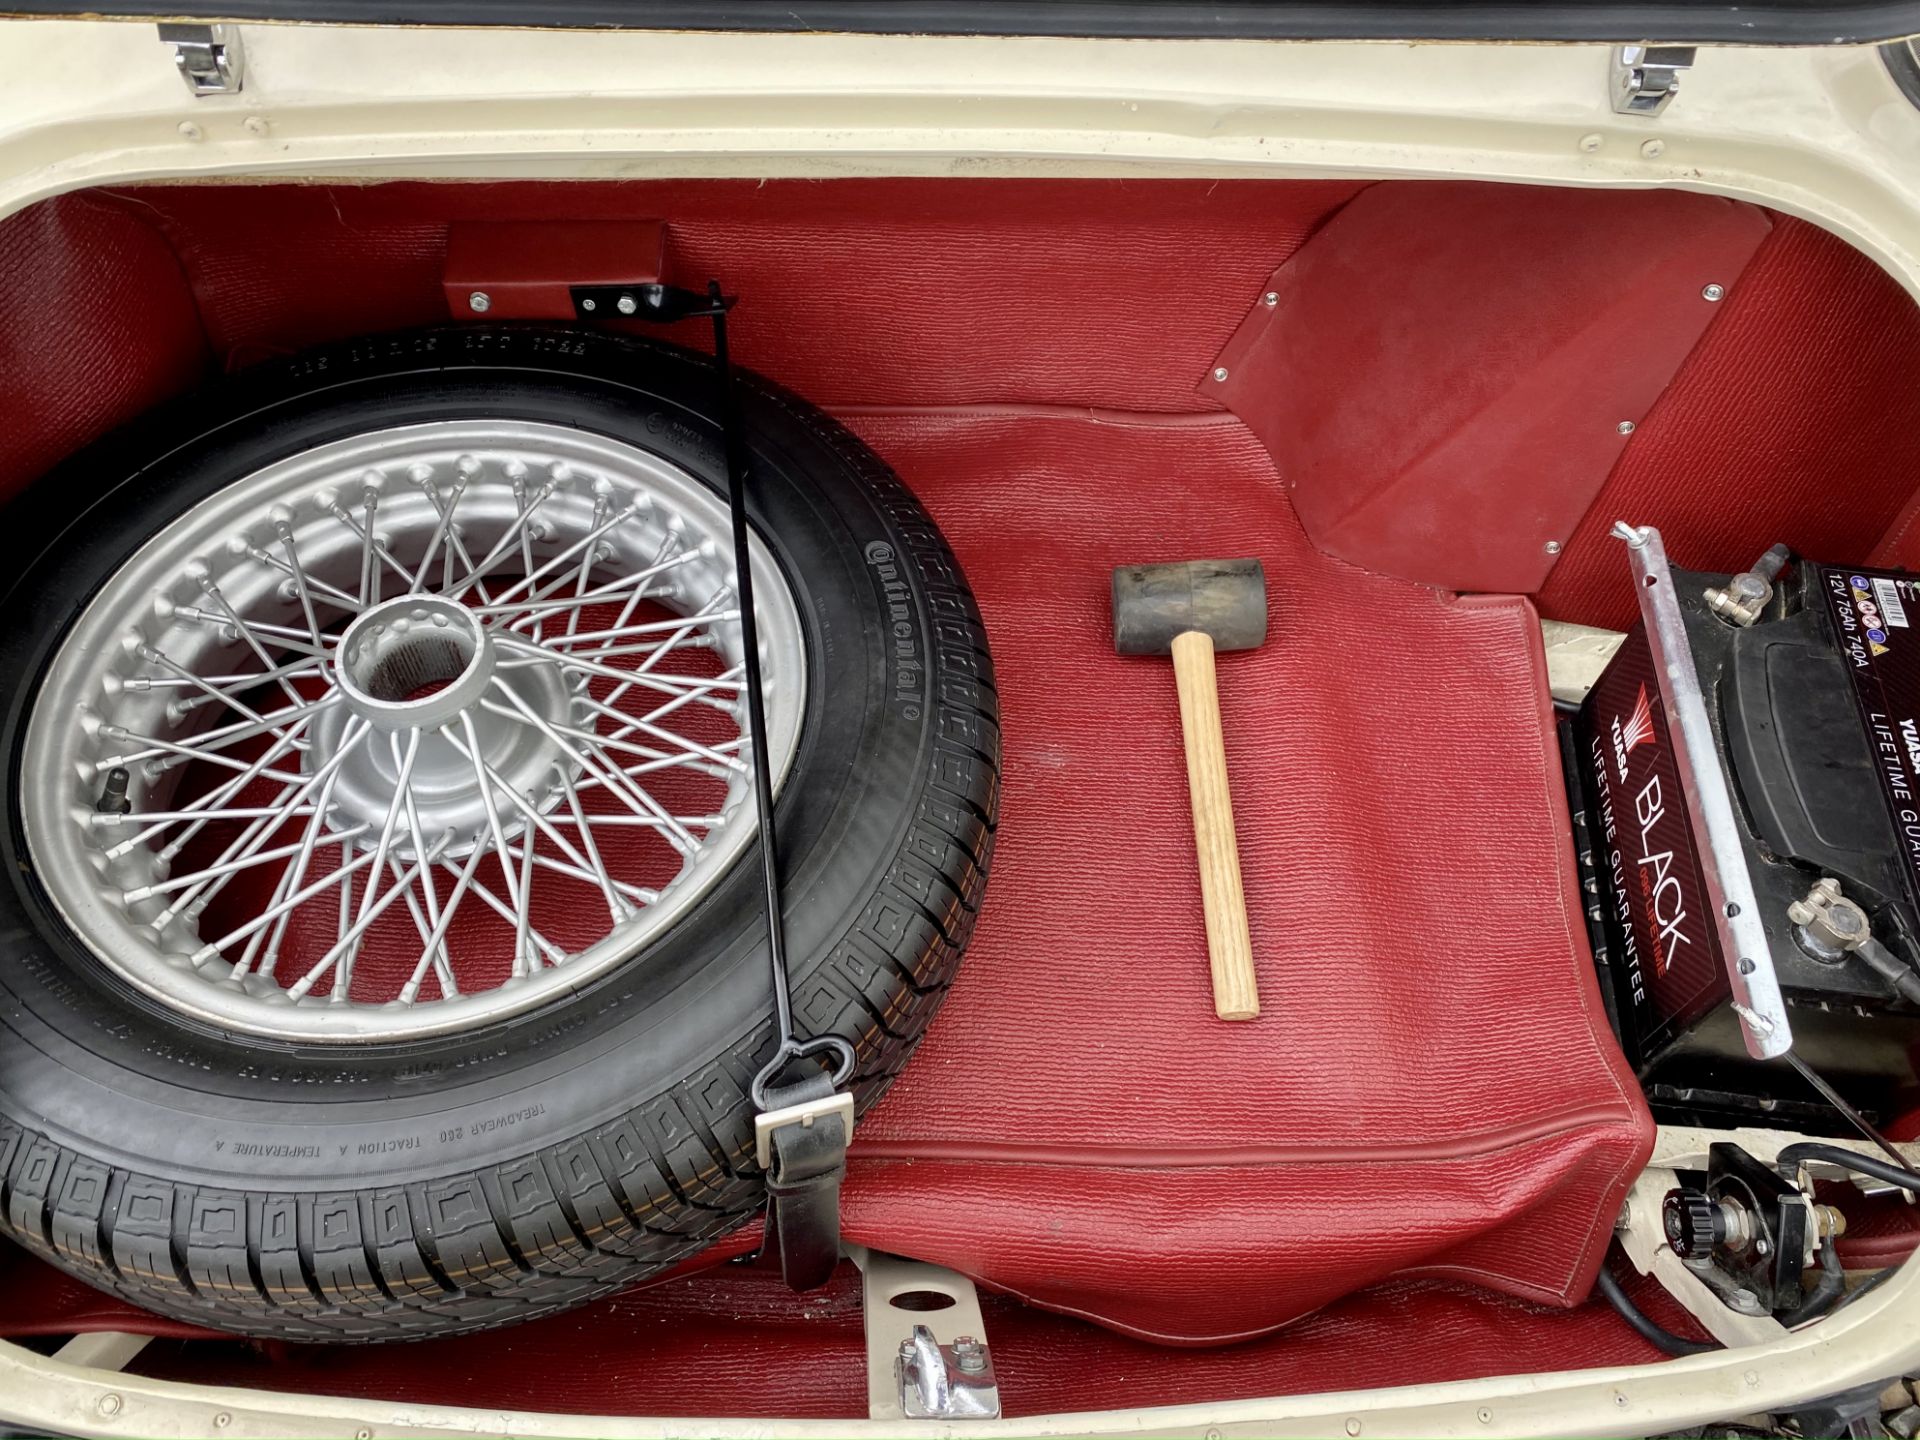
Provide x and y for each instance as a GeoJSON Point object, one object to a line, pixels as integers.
{"type": "Point", "coordinates": [96, 324]}
{"type": "Point", "coordinates": [1099, 292]}
{"type": "Point", "coordinates": [1797, 418]}
{"type": "Point", "coordinates": [1430, 1086]}
{"type": "Point", "coordinates": [1443, 369]}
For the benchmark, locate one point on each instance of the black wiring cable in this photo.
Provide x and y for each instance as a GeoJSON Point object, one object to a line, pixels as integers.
{"type": "Point", "coordinates": [1872, 1282]}
{"type": "Point", "coordinates": [1826, 1292]}
{"type": "Point", "coordinates": [1649, 1330]}
{"type": "Point", "coordinates": [1791, 1157]}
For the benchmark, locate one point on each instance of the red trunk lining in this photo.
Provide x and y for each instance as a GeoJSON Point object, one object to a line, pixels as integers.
{"type": "Point", "coordinates": [735, 1342]}
{"type": "Point", "coordinates": [1794, 419]}
{"type": "Point", "coordinates": [1402, 829]}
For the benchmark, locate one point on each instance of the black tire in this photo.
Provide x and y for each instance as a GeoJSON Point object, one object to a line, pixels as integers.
{"type": "Point", "coordinates": [355, 1193]}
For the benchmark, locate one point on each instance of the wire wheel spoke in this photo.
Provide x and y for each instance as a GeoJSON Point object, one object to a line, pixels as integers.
{"type": "Point", "coordinates": [411, 732]}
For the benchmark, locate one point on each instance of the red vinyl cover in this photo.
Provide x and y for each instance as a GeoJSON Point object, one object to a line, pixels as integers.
{"type": "Point", "coordinates": [1430, 1088]}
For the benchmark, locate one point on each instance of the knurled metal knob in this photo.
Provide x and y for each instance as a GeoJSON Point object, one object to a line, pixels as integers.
{"type": "Point", "coordinates": [1693, 1223]}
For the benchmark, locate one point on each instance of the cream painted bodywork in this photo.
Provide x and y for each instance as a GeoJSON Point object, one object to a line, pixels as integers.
{"type": "Point", "coordinates": [1823, 134]}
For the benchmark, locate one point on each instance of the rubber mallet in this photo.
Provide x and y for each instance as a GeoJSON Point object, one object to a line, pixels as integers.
{"type": "Point", "coordinates": [1189, 610]}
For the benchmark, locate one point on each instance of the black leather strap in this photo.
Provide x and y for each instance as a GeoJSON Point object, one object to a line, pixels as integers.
{"type": "Point", "coordinates": [806, 1165]}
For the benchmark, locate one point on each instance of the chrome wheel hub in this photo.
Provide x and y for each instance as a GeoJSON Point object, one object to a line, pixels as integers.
{"type": "Point", "coordinates": [427, 664]}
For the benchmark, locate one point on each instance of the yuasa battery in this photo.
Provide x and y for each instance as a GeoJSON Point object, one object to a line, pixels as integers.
{"type": "Point", "coordinates": [1814, 716]}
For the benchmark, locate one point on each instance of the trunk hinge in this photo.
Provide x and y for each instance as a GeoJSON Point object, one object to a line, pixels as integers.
{"type": "Point", "coordinates": [1646, 77]}
{"type": "Point", "coordinates": [210, 57]}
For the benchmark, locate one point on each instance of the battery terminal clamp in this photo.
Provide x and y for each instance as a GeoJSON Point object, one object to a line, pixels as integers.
{"type": "Point", "coordinates": [1745, 597]}
{"type": "Point", "coordinates": [1831, 927]}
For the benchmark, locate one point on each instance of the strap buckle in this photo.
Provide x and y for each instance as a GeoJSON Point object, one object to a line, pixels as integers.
{"type": "Point", "coordinates": [805, 1114]}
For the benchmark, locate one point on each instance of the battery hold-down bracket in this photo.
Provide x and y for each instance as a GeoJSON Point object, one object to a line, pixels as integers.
{"type": "Point", "coordinates": [1727, 887]}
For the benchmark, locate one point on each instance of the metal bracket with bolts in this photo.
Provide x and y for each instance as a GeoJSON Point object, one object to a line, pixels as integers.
{"type": "Point", "coordinates": [910, 1374]}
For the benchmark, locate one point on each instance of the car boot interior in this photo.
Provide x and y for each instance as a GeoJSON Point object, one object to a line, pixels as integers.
{"type": "Point", "coordinates": [1408, 1167]}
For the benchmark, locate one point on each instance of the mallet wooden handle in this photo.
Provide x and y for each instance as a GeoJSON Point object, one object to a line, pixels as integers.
{"type": "Point", "coordinates": [1236, 995]}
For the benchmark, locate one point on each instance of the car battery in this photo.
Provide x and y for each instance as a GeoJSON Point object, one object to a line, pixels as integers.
{"type": "Point", "coordinates": [1746, 783]}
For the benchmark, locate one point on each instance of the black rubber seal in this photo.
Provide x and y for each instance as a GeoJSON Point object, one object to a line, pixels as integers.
{"type": "Point", "coordinates": [1706, 22]}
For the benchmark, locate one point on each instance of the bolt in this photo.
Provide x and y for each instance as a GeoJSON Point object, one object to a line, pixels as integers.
{"type": "Point", "coordinates": [588, 303]}
{"type": "Point", "coordinates": [1219, 372]}
{"type": "Point", "coordinates": [1270, 299]}
{"type": "Point", "coordinates": [1654, 149]}
{"type": "Point", "coordinates": [479, 302]}
{"type": "Point", "coordinates": [110, 1404]}
{"type": "Point", "coordinates": [1625, 427]}
{"type": "Point", "coordinates": [971, 1354]}
{"type": "Point", "coordinates": [1591, 143]}
{"type": "Point", "coordinates": [1714, 292]}
{"type": "Point", "coordinates": [906, 1349]}
{"type": "Point", "coordinates": [1553, 547]}
{"type": "Point", "coordinates": [626, 305]}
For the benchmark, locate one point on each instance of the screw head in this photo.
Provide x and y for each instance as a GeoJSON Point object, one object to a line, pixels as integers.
{"type": "Point", "coordinates": [1553, 547]}
{"type": "Point", "coordinates": [479, 302]}
{"type": "Point", "coordinates": [1654, 149]}
{"type": "Point", "coordinates": [589, 303]}
{"type": "Point", "coordinates": [1219, 372]}
{"type": "Point", "coordinates": [1625, 427]}
{"type": "Point", "coordinates": [1353, 1427]}
{"type": "Point", "coordinates": [1713, 292]}
{"type": "Point", "coordinates": [110, 1404]}
{"type": "Point", "coordinates": [1591, 143]}
{"type": "Point", "coordinates": [626, 304]}
{"type": "Point", "coordinates": [1270, 299]}
{"type": "Point", "coordinates": [189, 130]}
{"type": "Point", "coordinates": [255, 124]}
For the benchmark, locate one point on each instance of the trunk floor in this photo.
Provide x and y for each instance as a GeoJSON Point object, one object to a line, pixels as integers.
{"type": "Point", "coordinates": [1429, 1093]}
